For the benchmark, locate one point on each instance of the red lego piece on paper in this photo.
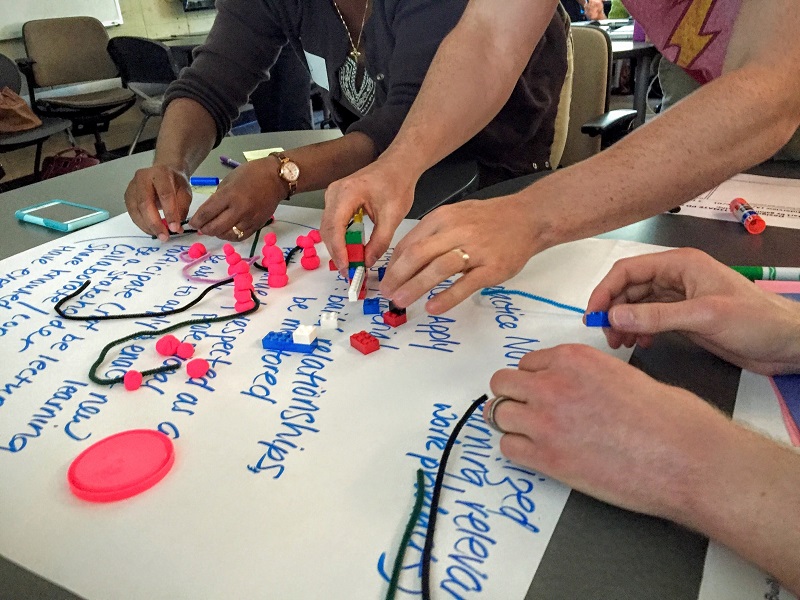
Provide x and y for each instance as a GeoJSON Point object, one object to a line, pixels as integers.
{"type": "Point", "coordinates": [394, 319]}
{"type": "Point", "coordinates": [364, 342]}
{"type": "Point", "coordinates": [355, 253]}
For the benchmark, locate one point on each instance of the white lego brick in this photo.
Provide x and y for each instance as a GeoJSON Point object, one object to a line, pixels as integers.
{"type": "Point", "coordinates": [355, 285]}
{"type": "Point", "coordinates": [304, 334]}
{"type": "Point", "coordinates": [328, 320]}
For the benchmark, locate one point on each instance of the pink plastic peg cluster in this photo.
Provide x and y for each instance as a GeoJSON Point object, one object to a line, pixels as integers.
{"type": "Point", "coordinates": [310, 260]}
{"type": "Point", "coordinates": [169, 345]}
{"type": "Point", "coordinates": [196, 251]}
{"type": "Point", "coordinates": [242, 279]}
{"type": "Point", "coordinates": [274, 261]}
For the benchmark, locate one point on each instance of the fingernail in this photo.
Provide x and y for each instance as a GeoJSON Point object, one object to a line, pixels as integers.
{"type": "Point", "coordinates": [163, 237]}
{"type": "Point", "coordinates": [400, 299]}
{"type": "Point", "coordinates": [622, 317]}
{"type": "Point", "coordinates": [175, 227]}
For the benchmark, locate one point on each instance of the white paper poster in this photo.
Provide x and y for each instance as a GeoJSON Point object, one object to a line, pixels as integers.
{"type": "Point", "coordinates": [294, 474]}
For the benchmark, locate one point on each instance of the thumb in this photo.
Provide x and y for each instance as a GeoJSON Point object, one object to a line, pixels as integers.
{"type": "Point", "coordinates": [657, 317]}
{"type": "Point", "coordinates": [173, 201]}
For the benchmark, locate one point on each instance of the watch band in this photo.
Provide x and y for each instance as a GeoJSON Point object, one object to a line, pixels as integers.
{"type": "Point", "coordinates": [283, 160]}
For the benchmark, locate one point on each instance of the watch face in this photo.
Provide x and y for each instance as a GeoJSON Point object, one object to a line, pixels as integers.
{"type": "Point", "coordinates": [290, 171]}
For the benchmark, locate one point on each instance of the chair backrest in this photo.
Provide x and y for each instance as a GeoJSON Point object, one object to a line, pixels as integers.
{"type": "Point", "coordinates": [562, 114]}
{"type": "Point", "coordinates": [140, 60]}
{"type": "Point", "coordinates": [68, 50]}
{"type": "Point", "coordinates": [590, 90]}
{"type": "Point", "coordinates": [9, 74]}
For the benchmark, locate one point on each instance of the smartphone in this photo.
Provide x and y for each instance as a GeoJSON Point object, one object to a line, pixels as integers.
{"type": "Point", "coordinates": [62, 215]}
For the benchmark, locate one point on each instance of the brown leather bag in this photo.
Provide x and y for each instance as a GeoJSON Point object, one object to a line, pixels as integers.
{"type": "Point", "coordinates": [61, 163]}
{"type": "Point", "coordinates": [15, 114]}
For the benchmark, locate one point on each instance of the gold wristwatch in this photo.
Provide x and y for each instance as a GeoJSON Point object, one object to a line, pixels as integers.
{"type": "Point", "coordinates": [288, 171]}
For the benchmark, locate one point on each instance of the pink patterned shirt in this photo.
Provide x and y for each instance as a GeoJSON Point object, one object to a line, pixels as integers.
{"type": "Point", "coordinates": [693, 34]}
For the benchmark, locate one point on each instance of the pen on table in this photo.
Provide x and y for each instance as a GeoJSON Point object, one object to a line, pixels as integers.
{"type": "Point", "coordinates": [770, 273]}
{"type": "Point", "coordinates": [229, 162]}
{"type": "Point", "coordinates": [204, 180]}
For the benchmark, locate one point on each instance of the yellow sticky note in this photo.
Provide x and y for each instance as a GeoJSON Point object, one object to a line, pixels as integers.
{"type": "Point", "coordinates": [256, 154]}
{"type": "Point", "coordinates": [203, 189]}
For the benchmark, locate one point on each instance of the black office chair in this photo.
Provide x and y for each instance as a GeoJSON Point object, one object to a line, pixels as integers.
{"type": "Point", "coordinates": [10, 77]}
{"type": "Point", "coordinates": [146, 67]}
{"type": "Point", "coordinates": [72, 50]}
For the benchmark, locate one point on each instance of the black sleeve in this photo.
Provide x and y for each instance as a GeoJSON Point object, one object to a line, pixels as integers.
{"type": "Point", "coordinates": [243, 44]}
{"type": "Point", "coordinates": [417, 28]}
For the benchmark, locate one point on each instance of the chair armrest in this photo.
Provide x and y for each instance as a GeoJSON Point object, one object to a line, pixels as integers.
{"type": "Point", "coordinates": [615, 120]}
{"type": "Point", "coordinates": [25, 65]}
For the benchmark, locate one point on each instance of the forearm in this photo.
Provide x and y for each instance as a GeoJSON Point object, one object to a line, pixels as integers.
{"type": "Point", "coordinates": [749, 500]}
{"type": "Point", "coordinates": [670, 160]}
{"type": "Point", "coordinates": [323, 163]}
{"type": "Point", "coordinates": [186, 136]}
{"type": "Point", "coordinates": [469, 80]}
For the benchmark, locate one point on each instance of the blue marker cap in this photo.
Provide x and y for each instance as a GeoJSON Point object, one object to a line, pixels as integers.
{"type": "Point", "coordinates": [204, 180]}
{"type": "Point", "coordinates": [597, 319]}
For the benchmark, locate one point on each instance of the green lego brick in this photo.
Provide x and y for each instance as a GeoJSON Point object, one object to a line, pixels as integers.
{"type": "Point", "coordinates": [353, 237]}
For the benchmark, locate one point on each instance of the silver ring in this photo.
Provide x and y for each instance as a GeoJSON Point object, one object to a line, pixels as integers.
{"type": "Point", "coordinates": [492, 408]}
{"type": "Point", "coordinates": [237, 232]}
{"type": "Point", "coordinates": [464, 256]}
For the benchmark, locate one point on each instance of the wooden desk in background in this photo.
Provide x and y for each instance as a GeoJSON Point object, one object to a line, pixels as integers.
{"type": "Point", "coordinates": [182, 47]}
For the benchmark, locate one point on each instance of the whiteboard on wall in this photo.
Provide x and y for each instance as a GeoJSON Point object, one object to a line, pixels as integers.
{"type": "Point", "coordinates": [16, 12]}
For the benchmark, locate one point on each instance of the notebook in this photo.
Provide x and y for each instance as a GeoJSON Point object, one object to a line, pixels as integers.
{"type": "Point", "coordinates": [787, 387]}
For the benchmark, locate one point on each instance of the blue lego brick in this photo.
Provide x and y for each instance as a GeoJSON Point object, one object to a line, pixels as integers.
{"type": "Point", "coordinates": [351, 272]}
{"type": "Point", "coordinates": [282, 340]}
{"type": "Point", "coordinates": [372, 306]}
{"type": "Point", "coordinates": [598, 319]}
{"type": "Point", "coordinates": [381, 273]}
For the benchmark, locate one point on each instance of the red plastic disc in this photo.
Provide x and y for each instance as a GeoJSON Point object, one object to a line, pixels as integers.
{"type": "Point", "coordinates": [121, 465]}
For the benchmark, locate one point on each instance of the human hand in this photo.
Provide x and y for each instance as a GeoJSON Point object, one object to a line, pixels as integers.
{"type": "Point", "coordinates": [386, 194]}
{"type": "Point", "coordinates": [498, 236]}
{"type": "Point", "coordinates": [245, 199]}
{"type": "Point", "coordinates": [157, 187]}
{"type": "Point", "coordinates": [594, 10]}
{"type": "Point", "coordinates": [609, 430]}
{"type": "Point", "coordinates": [686, 290]}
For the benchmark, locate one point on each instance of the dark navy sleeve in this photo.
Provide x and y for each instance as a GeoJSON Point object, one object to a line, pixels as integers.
{"type": "Point", "coordinates": [244, 42]}
{"type": "Point", "coordinates": [413, 30]}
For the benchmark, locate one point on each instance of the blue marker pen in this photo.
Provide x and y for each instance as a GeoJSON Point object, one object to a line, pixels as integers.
{"type": "Point", "coordinates": [204, 180]}
{"type": "Point", "coordinates": [229, 162]}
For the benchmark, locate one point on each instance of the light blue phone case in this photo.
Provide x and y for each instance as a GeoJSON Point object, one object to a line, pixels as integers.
{"type": "Point", "coordinates": [97, 215]}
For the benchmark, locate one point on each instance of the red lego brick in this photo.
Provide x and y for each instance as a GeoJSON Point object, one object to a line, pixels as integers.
{"type": "Point", "coordinates": [394, 319]}
{"type": "Point", "coordinates": [355, 253]}
{"type": "Point", "coordinates": [364, 342]}
{"type": "Point", "coordinates": [362, 293]}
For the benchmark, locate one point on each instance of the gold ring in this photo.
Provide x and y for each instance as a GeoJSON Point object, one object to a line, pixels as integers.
{"type": "Point", "coordinates": [464, 256]}
{"type": "Point", "coordinates": [237, 232]}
